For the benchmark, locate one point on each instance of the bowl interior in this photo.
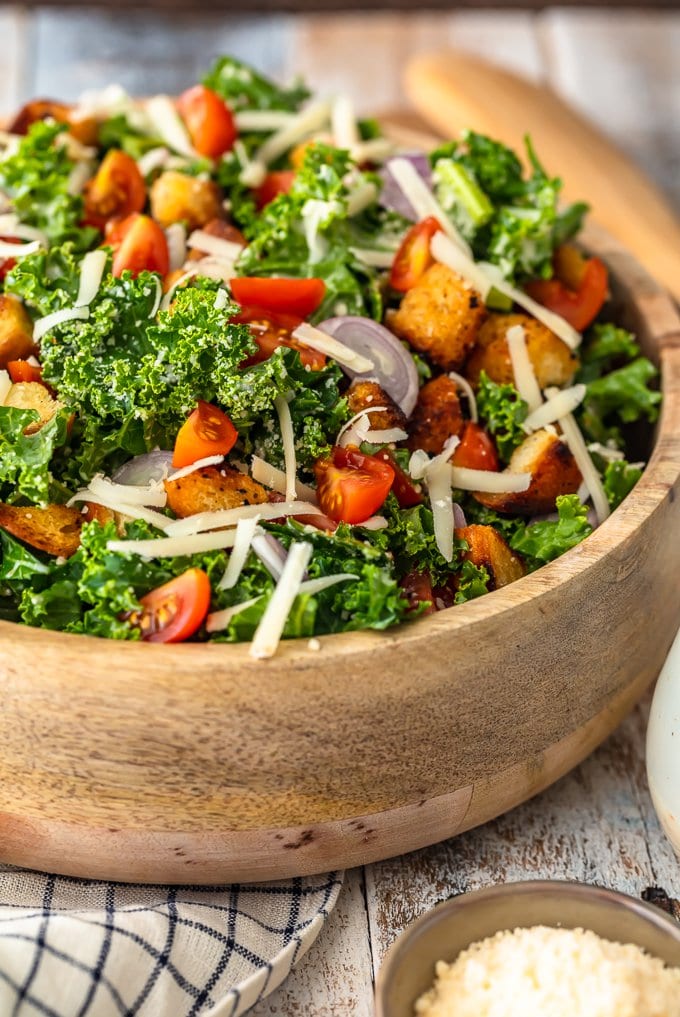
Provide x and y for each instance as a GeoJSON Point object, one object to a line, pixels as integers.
{"type": "Point", "coordinates": [442, 933]}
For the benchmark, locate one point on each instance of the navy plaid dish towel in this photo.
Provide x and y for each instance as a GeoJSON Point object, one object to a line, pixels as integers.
{"type": "Point", "coordinates": [83, 948]}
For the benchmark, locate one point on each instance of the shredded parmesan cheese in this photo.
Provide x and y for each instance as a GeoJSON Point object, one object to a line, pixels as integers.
{"type": "Point", "coordinates": [350, 434]}
{"type": "Point", "coordinates": [423, 200]}
{"type": "Point", "coordinates": [301, 125]}
{"type": "Point", "coordinates": [324, 343]}
{"type": "Point", "coordinates": [275, 479]}
{"type": "Point", "coordinates": [272, 623]}
{"type": "Point", "coordinates": [465, 386]}
{"type": "Point", "coordinates": [43, 325]}
{"type": "Point", "coordinates": [11, 226]}
{"type": "Point", "coordinates": [343, 124]}
{"type": "Point", "coordinates": [169, 126]}
{"type": "Point", "coordinates": [218, 620]}
{"type": "Point", "coordinates": [537, 971]}
{"type": "Point", "coordinates": [5, 386]}
{"type": "Point", "coordinates": [245, 531]}
{"type": "Point", "coordinates": [360, 197]}
{"type": "Point", "coordinates": [185, 471]}
{"type": "Point", "coordinates": [557, 406]}
{"type": "Point", "coordinates": [526, 382]}
{"type": "Point", "coordinates": [374, 259]}
{"type": "Point", "coordinates": [11, 250]}
{"type": "Point", "coordinates": [288, 439]}
{"type": "Point", "coordinates": [438, 479]}
{"type": "Point", "coordinates": [171, 547]}
{"type": "Point", "coordinates": [176, 236]}
{"type": "Point", "coordinates": [152, 160]}
{"type": "Point", "coordinates": [229, 517]}
{"type": "Point", "coordinates": [91, 272]}
{"type": "Point", "coordinates": [465, 479]}
{"type": "Point", "coordinates": [263, 120]}
{"type": "Point", "coordinates": [131, 494]}
{"type": "Point", "coordinates": [225, 250]}
{"type": "Point", "coordinates": [574, 439]}
{"type": "Point", "coordinates": [129, 509]}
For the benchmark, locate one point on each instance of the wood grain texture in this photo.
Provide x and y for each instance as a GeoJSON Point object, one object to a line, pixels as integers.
{"type": "Point", "coordinates": [284, 768]}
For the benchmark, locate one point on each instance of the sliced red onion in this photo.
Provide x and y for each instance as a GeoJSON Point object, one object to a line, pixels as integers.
{"type": "Point", "coordinates": [145, 469]}
{"type": "Point", "coordinates": [459, 520]}
{"type": "Point", "coordinates": [393, 197]}
{"type": "Point", "coordinates": [393, 366]}
{"type": "Point", "coordinates": [271, 553]}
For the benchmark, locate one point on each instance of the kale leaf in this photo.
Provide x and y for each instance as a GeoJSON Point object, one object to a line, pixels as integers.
{"type": "Point", "coordinates": [542, 542]}
{"type": "Point", "coordinates": [37, 177]}
{"type": "Point", "coordinates": [503, 411]}
{"type": "Point", "coordinates": [511, 220]}
{"type": "Point", "coordinates": [243, 88]}
{"type": "Point", "coordinates": [25, 459]}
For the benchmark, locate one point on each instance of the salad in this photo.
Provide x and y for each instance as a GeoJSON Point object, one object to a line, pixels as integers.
{"type": "Point", "coordinates": [264, 375]}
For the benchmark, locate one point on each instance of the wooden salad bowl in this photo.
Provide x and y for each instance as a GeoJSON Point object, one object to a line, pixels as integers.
{"type": "Point", "coordinates": [197, 764]}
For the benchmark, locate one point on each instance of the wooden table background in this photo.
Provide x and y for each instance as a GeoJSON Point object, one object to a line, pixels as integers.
{"type": "Point", "coordinates": [620, 67]}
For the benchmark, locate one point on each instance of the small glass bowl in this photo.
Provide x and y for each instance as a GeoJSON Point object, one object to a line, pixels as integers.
{"type": "Point", "coordinates": [440, 934]}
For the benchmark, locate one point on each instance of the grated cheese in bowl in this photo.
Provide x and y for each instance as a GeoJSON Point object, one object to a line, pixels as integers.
{"type": "Point", "coordinates": [548, 972]}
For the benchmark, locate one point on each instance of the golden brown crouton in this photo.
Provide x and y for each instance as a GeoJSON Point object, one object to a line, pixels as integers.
{"type": "Point", "coordinates": [16, 331]}
{"type": "Point", "coordinates": [440, 317]}
{"type": "Point", "coordinates": [83, 129]}
{"type": "Point", "coordinates": [553, 470]}
{"type": "Point", "coordinates": [365, 394]}
{"type": "Point", "coordinates": [488, 549]}
{"type": "Point", "coordinates": [55, 529]}
{"type": "Point", "coordinates": [212, 488]}
{"type": "Point", "coordinates": [552, 360]}
{"type": "Point", "coordinates": [436, 417]}
{"type": "Point", "coordinates": [31, 395]}
{"type": "Point", "coordinates": [177, 197]}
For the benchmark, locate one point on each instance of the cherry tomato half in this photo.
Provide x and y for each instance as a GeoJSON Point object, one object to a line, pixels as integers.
{"type": "Point", "coordinates": [270, 331]}
{"type": "Point", "coordinates": [138, 243]}
{"type": "Point", "coordinates": [117, 190]}
{"type": "Point", "coordinates": [206, 432]}
{"type": "Point", "coordinates": [284, 296]}
{"type": "Point", "coordinates": [403, 488]}
{"type": "Point", "coordinates": [477, 450]}
{"type": "Point", "coordinates": [578, 290]}
{"type": "Point", "coordinates": [174, 611]}
{"type": "Point", "coordinates": [209, 120]}
{"type": "Point", "coordinates": [275, 183]}
{"type": "Point", "coordinates": [413, 257]}
{"type": "Point", "coordinates": [351, 485]}
{"type": "Point", "coordinates": [22, 370]}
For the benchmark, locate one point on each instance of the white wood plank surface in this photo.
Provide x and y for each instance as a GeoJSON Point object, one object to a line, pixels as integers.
{"type": "Point", "coordinates": [597, 824]}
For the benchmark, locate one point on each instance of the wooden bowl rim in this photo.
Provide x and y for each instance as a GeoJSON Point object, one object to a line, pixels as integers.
{"type": "Point", "coordinates": [660, 474]}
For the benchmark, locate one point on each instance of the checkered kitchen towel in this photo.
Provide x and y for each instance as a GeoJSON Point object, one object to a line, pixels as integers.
{"type": "Point", "coordinates": [81, 948]}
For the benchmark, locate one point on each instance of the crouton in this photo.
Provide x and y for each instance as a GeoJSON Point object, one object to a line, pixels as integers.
{"type": "Point", "coordinates": [54, 529]}
{"type": "Point", "coordinates": [212, 488]}
{"type": "Point", "coordinates": [223, 231]}
{"type": "Point", "coordinates": [177, 197]}
{"type": "Point", "coordinates": [31, 395]}
{"type": "Point", "coordinates": [83, 129]}
{"type": "Point", "coordinates": [16, 331]}
{"type": "Point", "coordinates": [488, 549]}
{"type": "Point", "coordinates": [440, 317]}
{"type": "Point", "coordinates": [436, 417]}
{"type": "Point", "coordinates": [553, 470]}
{"type": "Point", "coordinates": [552, 360]}
{"type": "Point", "coordinates": [365, 394]}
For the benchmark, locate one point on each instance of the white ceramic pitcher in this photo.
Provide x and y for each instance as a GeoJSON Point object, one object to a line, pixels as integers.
{"type": "Point", "coordinates": [663, 746]}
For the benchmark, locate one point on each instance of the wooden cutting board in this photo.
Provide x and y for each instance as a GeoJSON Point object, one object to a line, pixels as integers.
{"type": "Point", "coordinates": [453, 90]}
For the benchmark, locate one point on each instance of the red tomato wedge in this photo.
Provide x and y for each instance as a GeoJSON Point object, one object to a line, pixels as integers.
{"type": "Point", "coordinates": [270, 331]}
{"type": "Point", "coordinates": [209, 120]}
{"type": "Point", "coordinates": [116, 191]}
{"type": "Point", "coordinates": [174, 611]}
{"type": "Point", "coordinates": [282, 296]}
{"type": "Point", "coordinates": [21, 370]}
{"type": "Point", "coordinates": [206, 432]}
{"type": "Point", "coordinates": [139, 244]}
{"type": "Point", "coordinates": [578, 290]}
{"type": "Point", "coordinates": [403, 488]}
{"type": "Point", "coordinates": [477, 450]}
{"type": "Point", "coordinates": [413, 257]}
{"type": "Point", "coordinates": [351, 486]}
{"type": "Point", "coordinates": [275, 183]}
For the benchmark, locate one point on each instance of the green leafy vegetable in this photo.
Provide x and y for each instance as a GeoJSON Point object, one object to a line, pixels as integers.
{"type": "Point", "coordinates": [622, 396]}
{"type": "Point", "coordinates": [36, 177]}
{"type": "Point", "coordinates": [503, 411]}
{"type": "Point", "coordinates": [473, 582]}
{"type": "Point", "coordinates": [25, 459]}
{"type": "Point", "coordinates": [512, 221]}
{"type": "Point", "coordinates": [243, 88]}
{"type": "Point", "coordinates": [542, 542]}
{"type": "Point", "coordinates": [619, 479]}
